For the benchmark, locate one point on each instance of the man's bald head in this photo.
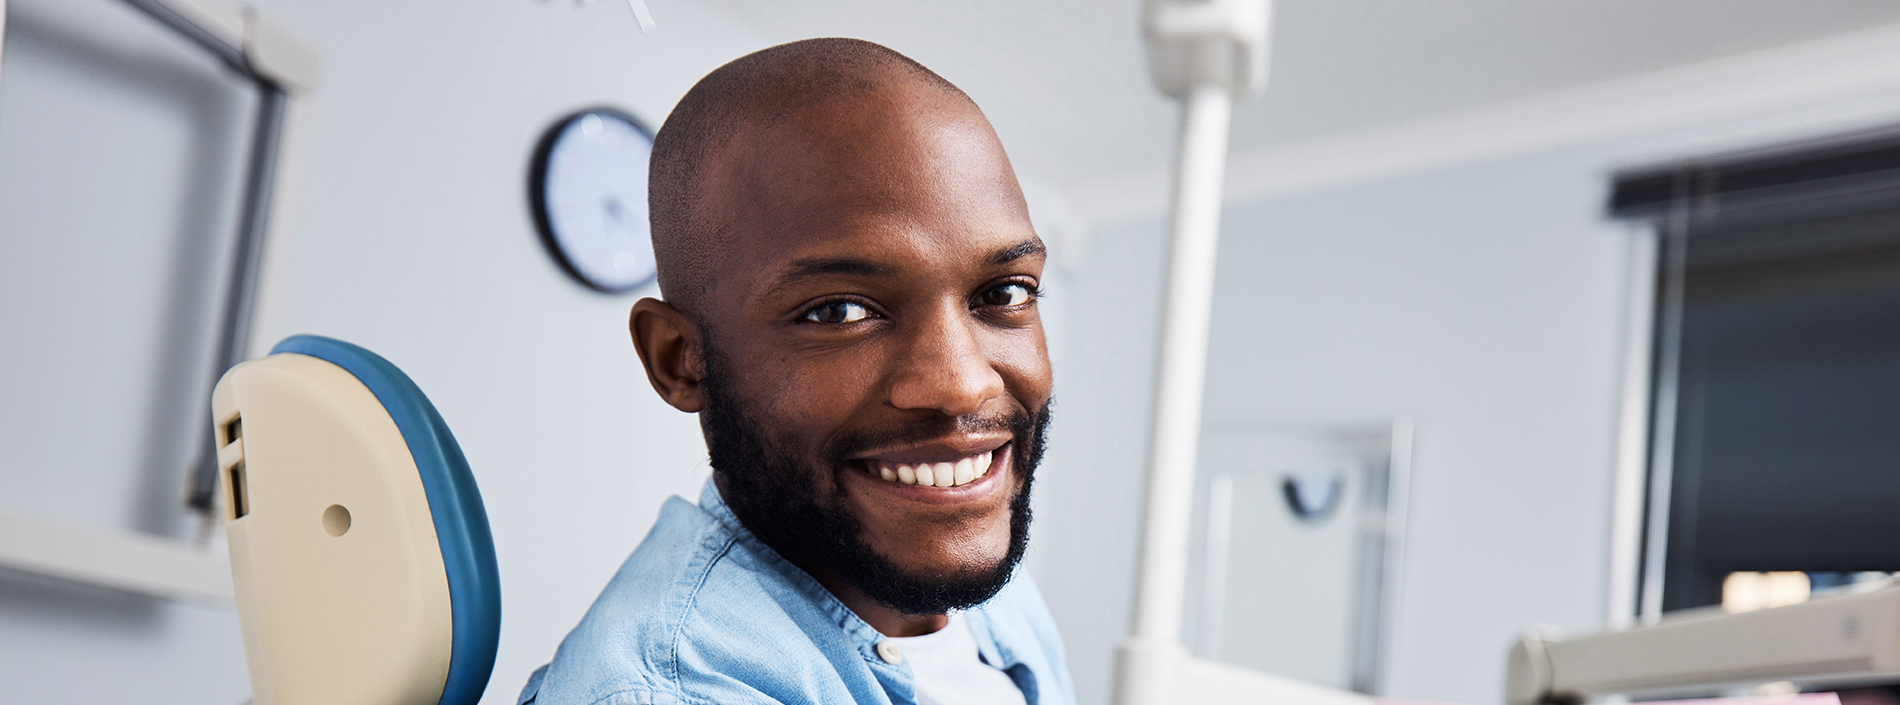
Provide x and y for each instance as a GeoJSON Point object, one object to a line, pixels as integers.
{"type": "Point", "coordinates": [762, 89]}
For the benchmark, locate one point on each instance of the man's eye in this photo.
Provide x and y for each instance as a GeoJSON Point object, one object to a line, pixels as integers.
{"type": "Point", "coordinates": [838, 312]}
{"type": "Point", "coordinates": [1008, 295]}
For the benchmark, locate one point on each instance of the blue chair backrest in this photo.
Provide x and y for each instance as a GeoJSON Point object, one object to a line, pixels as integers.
{"type": "Point", "coordinates": [361, 554]}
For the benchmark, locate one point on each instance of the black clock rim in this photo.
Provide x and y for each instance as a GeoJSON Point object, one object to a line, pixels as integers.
{"type": "Point", "coordinates": [538, 201]}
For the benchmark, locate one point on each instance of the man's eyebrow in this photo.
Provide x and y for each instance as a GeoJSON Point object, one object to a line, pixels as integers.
{"type": "Point", "coordinates": [821, 266]}
{"type": "Point", "coordinates": [811, 267]}
{"type": "Point", "coordinates": [1016, 252]}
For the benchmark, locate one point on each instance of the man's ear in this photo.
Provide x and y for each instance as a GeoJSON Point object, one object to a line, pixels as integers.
{"type": "Point", "coordinates": [669, 348]}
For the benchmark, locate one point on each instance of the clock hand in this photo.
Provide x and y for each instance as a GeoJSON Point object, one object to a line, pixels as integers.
{"type": "Point", "coordinates": [616, 213]}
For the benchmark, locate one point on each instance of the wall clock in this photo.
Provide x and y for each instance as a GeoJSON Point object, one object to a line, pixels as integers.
{"type": "Point", "coordinates": [588, 185]}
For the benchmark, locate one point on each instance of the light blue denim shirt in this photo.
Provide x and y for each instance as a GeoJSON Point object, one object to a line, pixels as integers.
{"type": "Point", "coordinates": [702, 612]}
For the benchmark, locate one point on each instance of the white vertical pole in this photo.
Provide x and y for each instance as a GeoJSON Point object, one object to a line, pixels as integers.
{"type": "Point", "coordinates": [1205, 53]}
{"type": "Point", "coordinates": [1181, 367]}
{"type": "Point", "coordinates": [1154, 651]}
{"type": "Point", "coordinates": [1220, 529]}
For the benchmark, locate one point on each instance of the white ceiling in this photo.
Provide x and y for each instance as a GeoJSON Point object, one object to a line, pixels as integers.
{"type": "Point", "coordinates": [1064, 82]}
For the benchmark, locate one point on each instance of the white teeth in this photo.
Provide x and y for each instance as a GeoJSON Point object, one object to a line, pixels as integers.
{"type": "Point", "coordinates": [945, 474]}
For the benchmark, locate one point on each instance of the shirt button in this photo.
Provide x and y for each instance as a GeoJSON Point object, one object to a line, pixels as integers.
{"type": "Point", "coordinates": [890, 653]}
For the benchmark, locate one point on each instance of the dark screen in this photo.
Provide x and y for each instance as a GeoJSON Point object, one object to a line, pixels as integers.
{"type": "Point", "coordinates": [1787, 454]}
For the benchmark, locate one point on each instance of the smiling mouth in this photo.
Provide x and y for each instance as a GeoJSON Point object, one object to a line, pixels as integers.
{"type": "Point", "coordinates": [947, 474]}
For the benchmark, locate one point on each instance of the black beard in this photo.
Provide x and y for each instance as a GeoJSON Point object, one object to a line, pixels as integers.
{"type": "Point", "coordinates": [773, 494]}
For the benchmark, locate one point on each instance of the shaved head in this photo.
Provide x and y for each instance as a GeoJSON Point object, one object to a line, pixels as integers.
{"type": "Point", "coordinates": [761, 90]}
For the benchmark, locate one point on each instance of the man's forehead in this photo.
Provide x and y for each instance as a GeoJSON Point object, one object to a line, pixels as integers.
{"type": "Point", "coordinates": [832, 142]}
{"type": "Point", "coordinates": [882, 186]}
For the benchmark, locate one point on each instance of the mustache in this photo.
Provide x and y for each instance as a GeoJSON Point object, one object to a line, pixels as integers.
{"type": "Point", "coordinates": [1018, 424]}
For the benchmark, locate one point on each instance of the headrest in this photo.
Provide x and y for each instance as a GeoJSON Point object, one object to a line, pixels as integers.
{"type": "Point", "coordinates": [360, 552]}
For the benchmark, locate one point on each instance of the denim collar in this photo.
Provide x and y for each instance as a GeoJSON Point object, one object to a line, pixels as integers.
{"type": "Point", "coordinates": [896, 677]}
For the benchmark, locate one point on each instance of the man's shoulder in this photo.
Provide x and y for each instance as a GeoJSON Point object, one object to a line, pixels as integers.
{"type": "Point", "coordinates": [623, 649]}
{"type": "Point", "coordinates": [693, 603]}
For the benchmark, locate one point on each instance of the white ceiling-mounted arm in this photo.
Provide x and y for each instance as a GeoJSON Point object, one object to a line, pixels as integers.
{"type": "Point", "coordinates": [1835, 641]}
{"type": "Point", "coordinates": [1207, 53]}
{"type": "Point", "coordinates": [1197, 43]}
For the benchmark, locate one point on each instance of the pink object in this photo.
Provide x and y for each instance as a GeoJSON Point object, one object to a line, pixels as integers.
{"type": "Point", "coordinates": [1796, 699]}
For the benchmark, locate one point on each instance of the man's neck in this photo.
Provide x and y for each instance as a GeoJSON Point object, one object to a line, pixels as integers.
{"type": "Point", "coordinates": [885, 620]}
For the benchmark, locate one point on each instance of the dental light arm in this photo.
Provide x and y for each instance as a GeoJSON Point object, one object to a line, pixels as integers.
{"type": "Point", "coordinates": [1205, 53]}
{"type": "Point", "coordinates": [1824, 643]}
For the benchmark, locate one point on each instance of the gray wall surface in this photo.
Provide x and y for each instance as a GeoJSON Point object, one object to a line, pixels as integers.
{"type": "Point", "coordinates": [1484, 302]}
{"type": "Point", "coordinates": [120, 154]}
{"type": "Point", "coordinates": [121, 151]}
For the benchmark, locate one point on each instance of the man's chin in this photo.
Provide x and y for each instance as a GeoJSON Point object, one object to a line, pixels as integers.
{"type": "Point", "coordinates": [978, 553]}
{"type": "Point", "coordinates": [932, 589]}
{"type": "Point", "coordinates": [959, 569]}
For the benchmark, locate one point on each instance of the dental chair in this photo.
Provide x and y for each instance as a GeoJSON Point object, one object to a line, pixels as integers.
{"type": "Point", "coordinates": [360, 553]}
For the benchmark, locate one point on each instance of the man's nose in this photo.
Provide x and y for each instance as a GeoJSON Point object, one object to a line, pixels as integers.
{"type": "Point", "coordinates": [946, 368]}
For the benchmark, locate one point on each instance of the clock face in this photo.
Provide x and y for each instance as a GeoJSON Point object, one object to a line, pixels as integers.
{"type": "Point", "coordinates": [589, 189]}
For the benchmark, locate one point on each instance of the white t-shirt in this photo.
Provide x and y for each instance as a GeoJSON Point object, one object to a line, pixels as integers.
{"type": "Point", "coordinates": [948, 671]}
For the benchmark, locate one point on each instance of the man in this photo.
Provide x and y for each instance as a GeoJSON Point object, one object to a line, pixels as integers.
{"type": "Point", "coordinates": [850, 283]}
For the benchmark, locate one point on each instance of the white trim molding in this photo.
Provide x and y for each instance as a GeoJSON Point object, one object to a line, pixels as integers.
{"type": "Point", "coordinates": [1845, 67]}
{"type": "Point", "coordinates": [130, 561]}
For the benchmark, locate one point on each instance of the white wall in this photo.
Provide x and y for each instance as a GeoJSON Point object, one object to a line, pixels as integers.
{"type": "Point", "coordinates": [120, 157]}
{"type": "Point", "coordinates": [120, 154]}
{"type": "Point", "coordinates": [1102, 313]}
{"type": "Point", "coordinates": [1483, 302]}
